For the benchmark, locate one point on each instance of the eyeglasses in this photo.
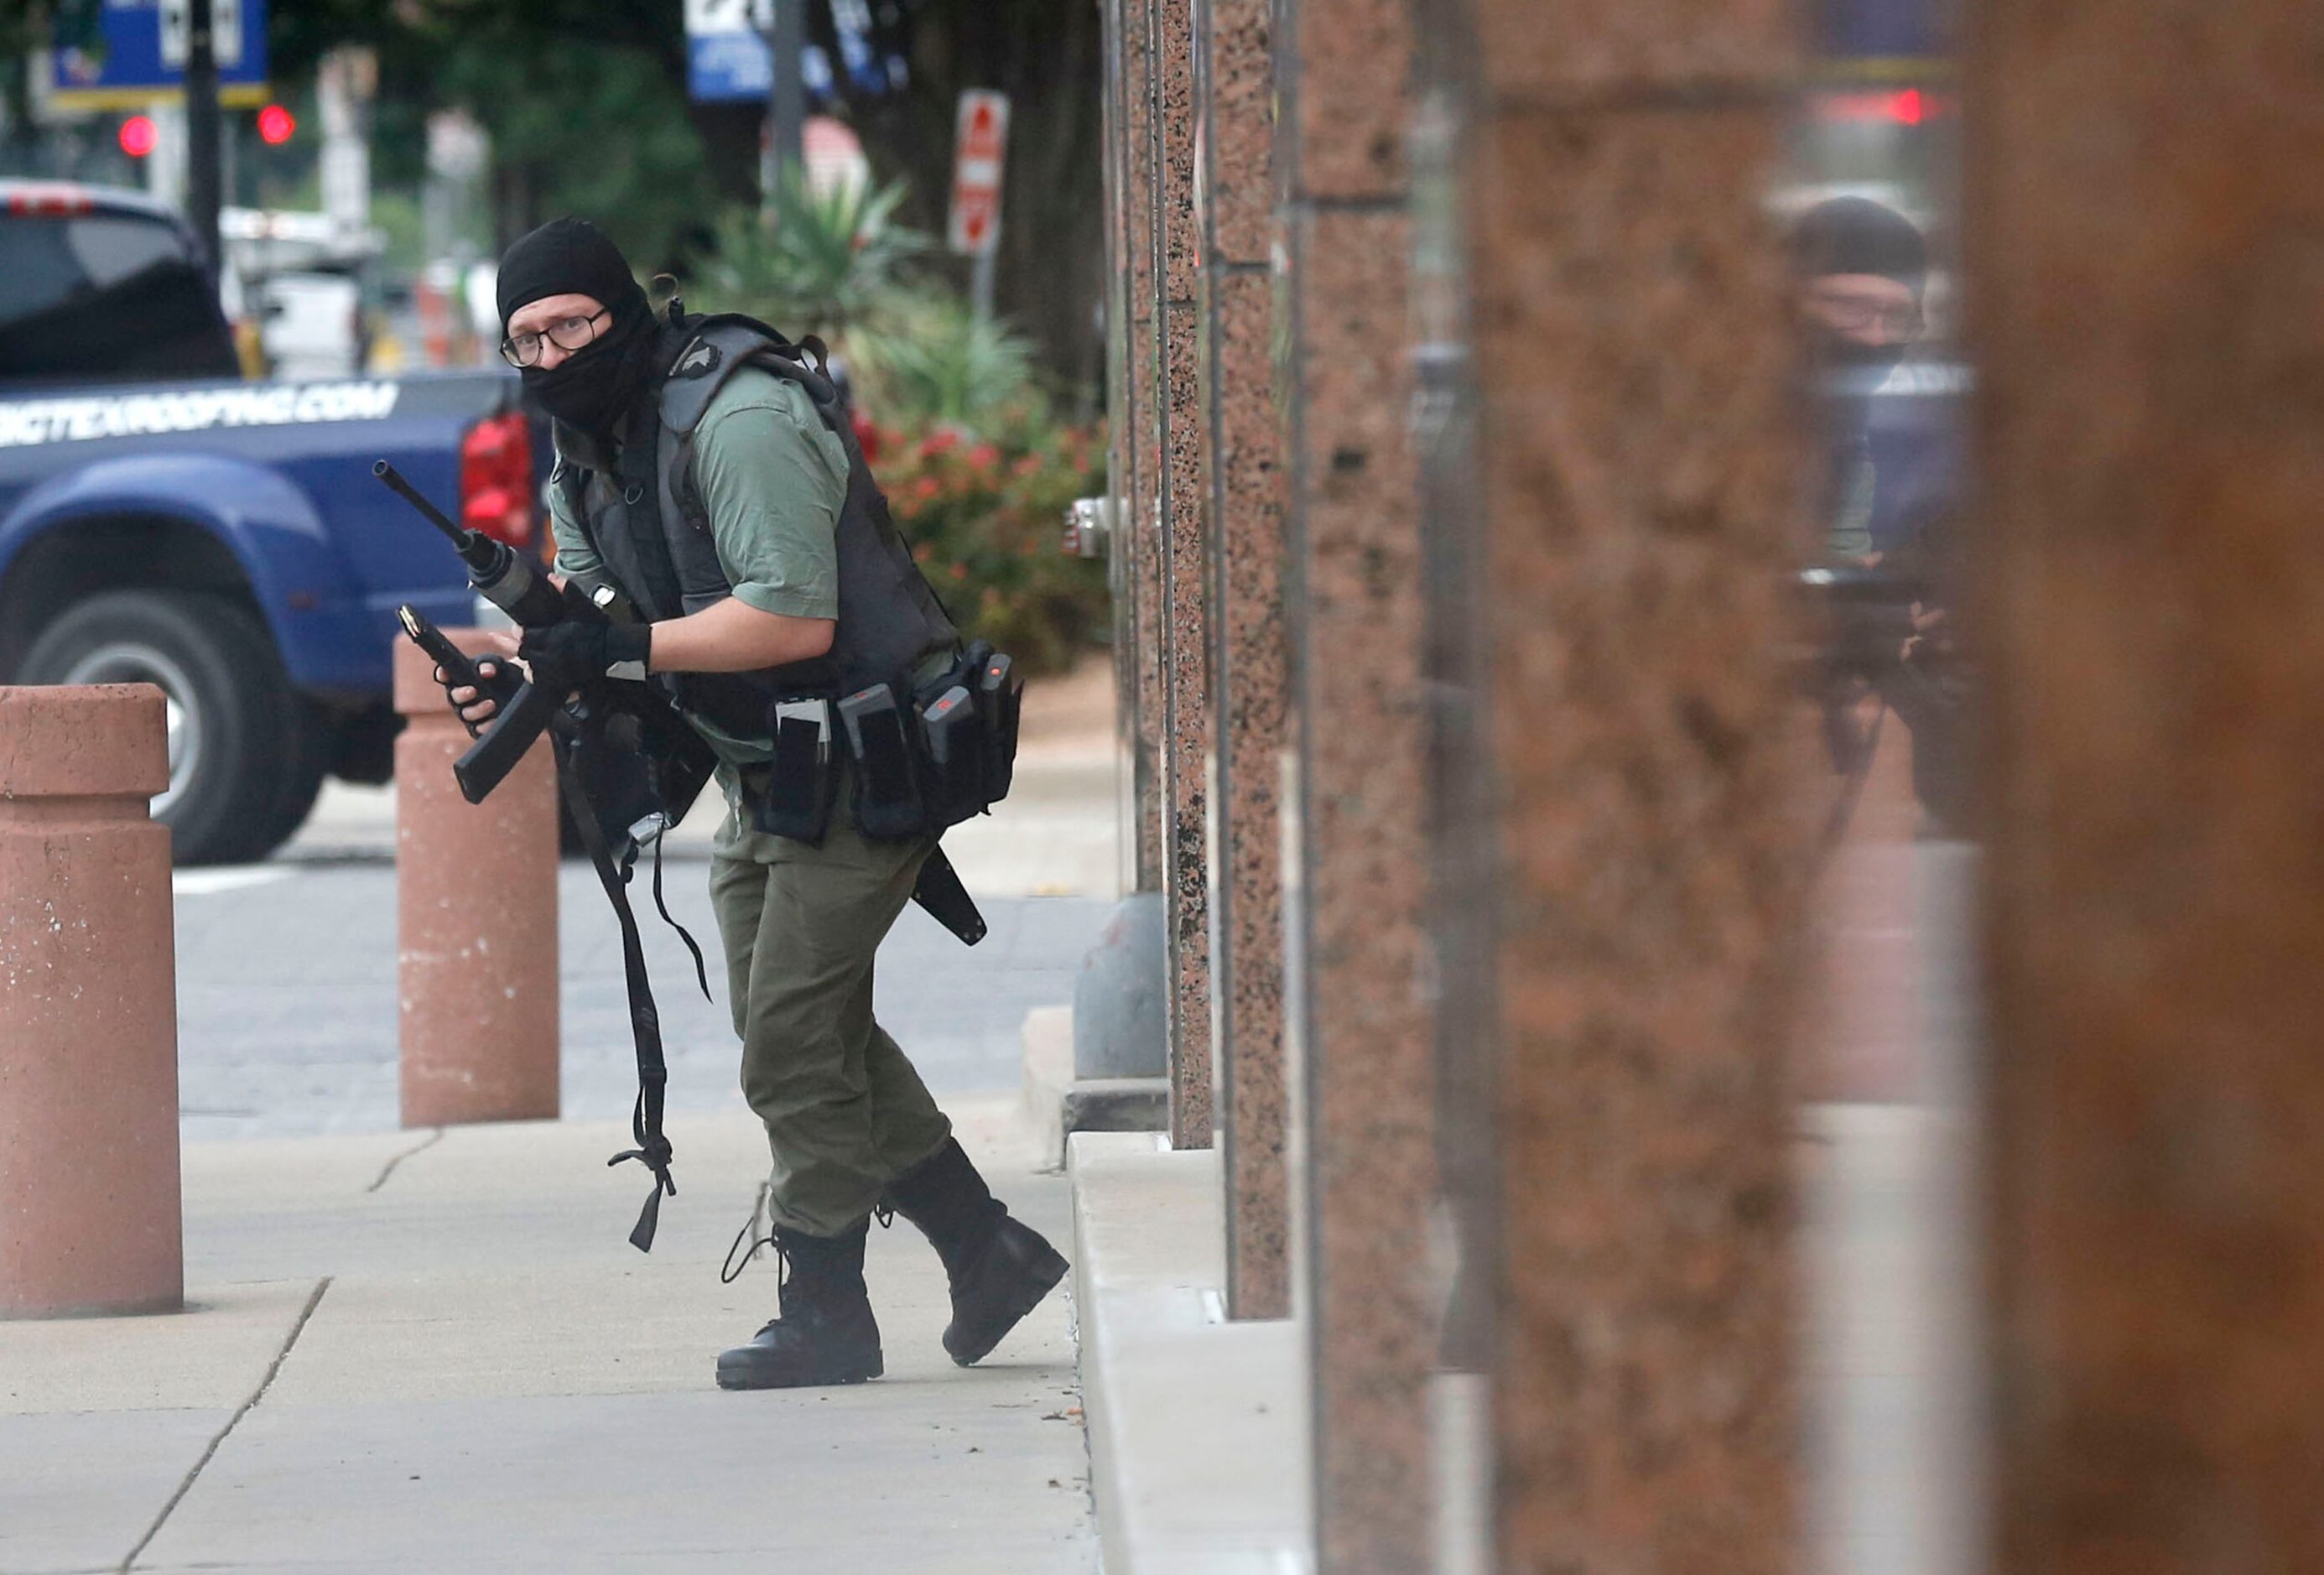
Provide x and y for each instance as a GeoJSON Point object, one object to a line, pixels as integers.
{"type": "Point", "coordinates": [1854, 314]}
{"type": "Point", "coordinates": [567, 334]}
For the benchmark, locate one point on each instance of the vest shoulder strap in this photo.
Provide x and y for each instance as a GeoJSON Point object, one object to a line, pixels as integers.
{"type": "Point", "coordinates": [718, 347]}
{"type": "Point", "coordinates": [722, 346]}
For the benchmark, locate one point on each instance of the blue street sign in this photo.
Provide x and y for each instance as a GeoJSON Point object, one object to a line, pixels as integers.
{"type": "Point", "coordinates": [727, 59]}
{"type": "Point", "coordinates": [131, 71]}
{"type": "Point", "coordinates": [725, 65]}
{"type": "Point", "coordinates": [1859, 30]}
{"type": "Point", "coordinates": [738, 66]}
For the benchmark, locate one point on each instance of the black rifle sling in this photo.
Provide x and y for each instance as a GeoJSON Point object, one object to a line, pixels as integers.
{"type": "Point", "coordinates": [653, 1150]}
{"type": "Point", "coordinates": [701, 973]}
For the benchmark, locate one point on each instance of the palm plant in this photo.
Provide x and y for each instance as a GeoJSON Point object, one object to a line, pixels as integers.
{"type": "Point", "coordinates": [818, 262]}
{"type": "Point", "coordinates": [930, 359]}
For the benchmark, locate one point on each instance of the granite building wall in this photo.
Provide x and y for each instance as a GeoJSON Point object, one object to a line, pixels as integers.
{"type": "Point", "coordinates": [1241, 432]}
{"type": "Point", "coordinates": [2149, 339]}
{"type": "Point", "coordinates": [1355, 619]}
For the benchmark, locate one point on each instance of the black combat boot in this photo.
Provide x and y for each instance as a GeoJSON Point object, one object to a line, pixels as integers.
{"type": "Point", "coordinates": [999, 1266]}
{"type": "Point", "coordinates": [825, 1333]}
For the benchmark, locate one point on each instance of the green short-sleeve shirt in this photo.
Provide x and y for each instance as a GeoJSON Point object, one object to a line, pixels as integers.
{"type": "Point", "coordinates": [773, 478]}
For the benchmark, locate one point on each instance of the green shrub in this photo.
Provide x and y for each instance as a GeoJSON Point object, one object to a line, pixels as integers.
{"type": "Point", "coordinates": [985, 516]}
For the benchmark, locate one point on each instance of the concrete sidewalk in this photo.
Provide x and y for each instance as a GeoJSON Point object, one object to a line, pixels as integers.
{"type": "Point", "coordinates": [287, 992]}
{"type": "Point", "coordinates": [437, 1352]}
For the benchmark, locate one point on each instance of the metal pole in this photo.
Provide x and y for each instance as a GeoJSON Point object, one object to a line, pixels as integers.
{"type": "Point", "coordinates": [786, 97]}
{"type": "Point", "coordinates": [202, 130]}
{"type": "Point", "coordinates": [979, 282]}
{"type": "Point", "coordinates": [229, 168]}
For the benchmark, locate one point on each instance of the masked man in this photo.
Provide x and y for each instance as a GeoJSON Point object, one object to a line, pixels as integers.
{"type": "Point", "coordinates": [1858, 270]}
{"type": "Point", "coordinates": [708, 475]}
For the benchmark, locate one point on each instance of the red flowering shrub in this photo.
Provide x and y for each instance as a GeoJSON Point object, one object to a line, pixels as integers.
{"type": "Point", "coordinates": [986, 514]}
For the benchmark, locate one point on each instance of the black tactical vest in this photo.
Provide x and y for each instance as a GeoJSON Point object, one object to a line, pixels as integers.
{"type": "Point", "coordinates": [646, 521]}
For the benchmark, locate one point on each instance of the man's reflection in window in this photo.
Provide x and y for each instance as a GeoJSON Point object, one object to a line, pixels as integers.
{"type": "Point", "coordinates": [1860, 270]}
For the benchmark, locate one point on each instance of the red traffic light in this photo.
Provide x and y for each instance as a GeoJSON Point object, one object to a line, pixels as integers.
{"type": "Point", "coordinates": [139, 136]}
{"type": "Point", "coordinates": [275, 125]}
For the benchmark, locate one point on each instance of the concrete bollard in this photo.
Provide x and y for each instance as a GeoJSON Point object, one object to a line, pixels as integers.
{"type": "Point", "coordinates": [1119, 1028]}
{"type": "Point", "coordinates": [475, 889]}
{"type": "Point", "coordinates": [90, 1218]}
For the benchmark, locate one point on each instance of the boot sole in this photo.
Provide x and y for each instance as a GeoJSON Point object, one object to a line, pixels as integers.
{"type": "Point", "coordinates": [1041, 1277]}
{"type": "Point", "coordinates": [742, 1375]}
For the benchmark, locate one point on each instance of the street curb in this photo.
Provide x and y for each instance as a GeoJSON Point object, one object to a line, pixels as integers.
{"type": "Point", "coordinates": [1197, 1426]}
{"type": "Point", "coordinates": [1057, 1104]}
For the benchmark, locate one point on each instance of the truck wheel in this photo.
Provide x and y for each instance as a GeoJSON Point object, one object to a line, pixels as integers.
{"type": "Point", "coordinates": [244, 765]}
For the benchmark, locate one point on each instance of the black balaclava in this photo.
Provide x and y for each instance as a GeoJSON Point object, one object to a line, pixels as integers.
{"type": "Point", "coordinates": [1854, 235]}
{"type": "Point", "coordinates": [571, 256]}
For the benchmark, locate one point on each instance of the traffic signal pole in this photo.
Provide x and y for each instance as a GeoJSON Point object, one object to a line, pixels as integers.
{"type": "Point", "coordinates": [202, 130]}
{"type": "Point", "coordinates": [786, 98]}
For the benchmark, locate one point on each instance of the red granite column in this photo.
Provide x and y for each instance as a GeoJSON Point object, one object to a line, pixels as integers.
{"type": "Point", "coordinates": [1641, 512]}
{"type": "Point", "coordinates": [1357, 939]}
{"type": "Point", "coordinates": [1137, 541]}
{"type": "Point", "coordinates": [2148, 331]}
{"type": "Point", "coordinates": [1120, 574]}
{"type": "Point", "coordinates": [1242, 452]}
{"type": "Point", "coordinates": [1186, 684]}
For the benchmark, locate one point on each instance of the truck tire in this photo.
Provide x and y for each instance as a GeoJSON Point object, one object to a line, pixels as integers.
{"type": "Point", "coordinates": [244, 762]}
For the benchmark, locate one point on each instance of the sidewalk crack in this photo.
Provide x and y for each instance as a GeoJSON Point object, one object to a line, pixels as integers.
{"type": "Point", "coordinates": [387, 1170]}
{"type": "Point", "coordinates": [185, 1486]}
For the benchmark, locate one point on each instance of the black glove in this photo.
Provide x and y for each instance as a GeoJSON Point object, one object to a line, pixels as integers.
{"type": "Point", "coordinates": [488, 668]}
{"type": "Point", "coordinates": [565, 656]}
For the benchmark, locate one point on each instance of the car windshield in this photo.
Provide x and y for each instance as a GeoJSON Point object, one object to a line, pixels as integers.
{"type": "Point", "coordinates": [104, 295]}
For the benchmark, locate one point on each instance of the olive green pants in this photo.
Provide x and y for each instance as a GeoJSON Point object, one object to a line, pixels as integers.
{"type": "Point", "coordinates": [845, 1111]}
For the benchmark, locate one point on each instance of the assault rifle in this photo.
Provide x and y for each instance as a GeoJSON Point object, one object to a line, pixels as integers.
{"type": "Point", "coordinates": [524, 710]}
{"type": "Point", "coordinates": [632, 719]}
{"type": "Point", "coordinates": [500, 573]}
{"type": "Point", "coordinates": [647, 765]}
{"type": "Point", "coordinates": [1875, 641]}
{"type": "Point", "coordinates": [1864, 616]}
{"type": "Point", "coordinates": [505, 578]}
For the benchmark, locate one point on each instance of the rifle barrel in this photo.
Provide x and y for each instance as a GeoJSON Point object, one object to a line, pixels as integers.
{"type": "Point", "coordinates": [411, 495]}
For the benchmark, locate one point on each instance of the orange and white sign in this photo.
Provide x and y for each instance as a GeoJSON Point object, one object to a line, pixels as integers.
{"type": "Point", "coordinates": [980, 147]}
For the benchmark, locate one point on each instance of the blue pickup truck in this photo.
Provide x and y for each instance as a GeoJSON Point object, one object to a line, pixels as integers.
{"type": "Point", "coordinates": [164, 521]}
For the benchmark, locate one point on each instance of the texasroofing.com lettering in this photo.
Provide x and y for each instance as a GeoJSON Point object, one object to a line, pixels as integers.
{"type": "Point", "coordinates": [144, 415]}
